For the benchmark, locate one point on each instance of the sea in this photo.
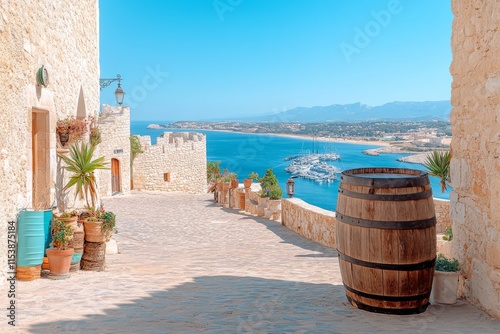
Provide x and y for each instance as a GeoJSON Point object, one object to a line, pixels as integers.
{"type": "Point", "coordinates": [244, 153]}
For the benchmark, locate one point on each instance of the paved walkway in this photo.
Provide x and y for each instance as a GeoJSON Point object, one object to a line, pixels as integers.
{"type": "Point", "coordinates": [187, 266]}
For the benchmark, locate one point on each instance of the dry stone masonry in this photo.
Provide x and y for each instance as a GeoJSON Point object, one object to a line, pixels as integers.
{"type": "Point", "coordinates": [177, 162]}
{"type": "Point", "coordinates": [475, 167]}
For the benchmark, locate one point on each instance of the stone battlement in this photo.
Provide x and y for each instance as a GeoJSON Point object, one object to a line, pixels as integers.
{"type": "Point", "coordinates": [177, 162]}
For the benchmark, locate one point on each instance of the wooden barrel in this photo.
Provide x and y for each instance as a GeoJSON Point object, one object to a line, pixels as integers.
{"type": "Point", "coordinates": [94, 256]}
{"type": "Point", "coordinates": [386, 239]}
{"type": "Point", "coordinates": [28, 273]}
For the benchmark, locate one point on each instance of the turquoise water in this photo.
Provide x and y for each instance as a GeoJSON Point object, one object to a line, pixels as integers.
{"type": "Point", "coordinates": [244, 153]}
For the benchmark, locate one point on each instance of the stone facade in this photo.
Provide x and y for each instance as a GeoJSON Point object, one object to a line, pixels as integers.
{"type": "Point", "coordinates": [309, 221]}
{"type": "Point", "coordinates": [63, 36]}
{"type": "Point", "coordinates": [475, 166]}
{"type": "Point", "coordinates": [177, 162]}
{"type": "Point", "coordinates": [114, 123]}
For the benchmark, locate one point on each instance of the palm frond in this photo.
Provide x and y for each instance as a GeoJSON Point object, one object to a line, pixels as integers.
{"type": "Point", "coordinates": [82, 167]}
{"type": "Point", "coordinates": [438, 164]}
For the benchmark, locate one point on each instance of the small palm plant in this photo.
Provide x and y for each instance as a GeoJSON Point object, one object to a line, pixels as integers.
{"type": "Point", "coordinates": [82, 166]}
{"type": "Point", "coordinates": [438, 164]}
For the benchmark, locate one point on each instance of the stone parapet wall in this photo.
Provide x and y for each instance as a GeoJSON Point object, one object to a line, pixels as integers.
{"type": "Point", "coordinates": [309, 221]}
{"type": "Point", "coordinates": [475, 166]}
{"type": "Point", "coordinates": [177, 162]}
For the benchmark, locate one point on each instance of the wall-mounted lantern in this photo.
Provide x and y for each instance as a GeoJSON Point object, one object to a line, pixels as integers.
{"type": "Point", "coordinates": [119, 93]}
{"type": "Point", "coordinates": [290, 187]}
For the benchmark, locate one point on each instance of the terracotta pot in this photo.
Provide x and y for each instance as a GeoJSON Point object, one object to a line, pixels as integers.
{"type": "Point", "coordinates": [220, 185]}
{"type": "Point", "coordinates": [93, 231]}
{"type": "Point", "coordinates": [247, 183]}
{"type": "Point", "coordinates": [71, 221]}
{"type": "Point", "coordinates": [235, 184]}
{"type": "Point", "coordinates": [63, 138]}
{"type": "Point", "coordinates": [225, 186]}
{"type": "Point", "coordinates": [59, 262]}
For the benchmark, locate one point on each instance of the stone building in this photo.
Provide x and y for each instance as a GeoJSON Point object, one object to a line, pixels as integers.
{"type": "Point", "coordinates": [475, 167]}
{"type": "Point", "coordinates": [177, 162]}
{"type": "Point", "coordinates": [62, 36]}
{"type": "Point", "coordinates": [114, 123]}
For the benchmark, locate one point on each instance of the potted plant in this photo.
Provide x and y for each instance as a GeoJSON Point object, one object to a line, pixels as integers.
{"type": "Point", "coordinates": [82, 166]}
{"type": "Point", "coordinates": [270, 186]}
{"type": "Point", "coordinates": [445, 283]}
{"type": "Point", "coordinates": [252, 176]}
{"type": "Point", "coordinates": [233, 178]}
{"type": "Point", "coordinates": [70, 218]}
{"type": "Point", "coordinates": [70, 129]}
{"type": "Point", "coordinates": [100, 226]}
{"type": "Point", "coordinates": [94, 133]}
{"type": "Point", "coordinates": [60, 254]}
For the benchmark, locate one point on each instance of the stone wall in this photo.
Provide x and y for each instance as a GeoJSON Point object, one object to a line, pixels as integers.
{"type": "Point", "coordinates": [63, 36]}
{"type": "Point", "coordinates": [475, 166]}
{"type": "Point", "coordinates": [309, 221]}
{"type": "Point", "coordinates": [114, 123]}
{"type": "Point", "coordinates": [177, 162]}
{"type": "Point", "coordinates": [443, 218]}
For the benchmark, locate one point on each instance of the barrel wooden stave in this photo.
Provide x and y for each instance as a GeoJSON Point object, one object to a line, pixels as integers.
{"type": "Point", "coordinates": [366, 239]}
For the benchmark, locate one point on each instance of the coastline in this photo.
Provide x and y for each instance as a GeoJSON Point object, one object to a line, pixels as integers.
{"type": "Point", "coordinates": [305, 137]}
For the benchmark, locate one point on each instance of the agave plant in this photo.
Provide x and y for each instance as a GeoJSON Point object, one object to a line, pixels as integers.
{"type": "Point", "coordinates": [82, 166]}
{"type": "Point", "coordinates": [438, 164]}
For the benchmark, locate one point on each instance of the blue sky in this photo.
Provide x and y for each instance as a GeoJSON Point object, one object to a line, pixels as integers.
{"type": "Point", "coordinates": [202, 59]}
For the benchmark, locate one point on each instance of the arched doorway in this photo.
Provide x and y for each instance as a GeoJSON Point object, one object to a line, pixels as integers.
{"type": "Point", "coordinates": [115, 176]}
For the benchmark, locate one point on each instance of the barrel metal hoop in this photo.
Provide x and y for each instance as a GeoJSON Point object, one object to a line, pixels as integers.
{"type": "Point", "coordinates": [419, 180]}
{"type": "Point", "coordinates": [387, 225]}
{"type": "Point", "coordinates": [388, 266]}
{"type": "Point", "coordinates": [388, 298]}
{"type": "Point", "coordinates": [397, 311]}
{"type": "Point", "coordinates": [394, 198]}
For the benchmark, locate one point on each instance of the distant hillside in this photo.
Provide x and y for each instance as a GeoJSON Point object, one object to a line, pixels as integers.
{"type": "Point", "coordinates": [357, 112]}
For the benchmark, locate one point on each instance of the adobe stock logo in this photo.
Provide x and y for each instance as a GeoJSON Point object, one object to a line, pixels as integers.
{"type": "Point", "coordinates": [372, 29]}
{"type": "Point", "coordinates": [222, 6]}
{"type": "Point", "coordinates": [150, 81]}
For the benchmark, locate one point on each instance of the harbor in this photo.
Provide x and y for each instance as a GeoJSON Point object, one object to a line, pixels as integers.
{"type": "Point", "coordinates": [313, 167]}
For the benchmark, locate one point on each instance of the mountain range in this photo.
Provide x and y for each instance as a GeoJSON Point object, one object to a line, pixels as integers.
{"type": "Point", "coordinates": [357, 112]}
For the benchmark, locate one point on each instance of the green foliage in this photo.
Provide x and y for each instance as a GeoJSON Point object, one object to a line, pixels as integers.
{"type": "Point", "coordinates": [448, 234]}
{"type": "Point", "coordinates": [270, 186]}
{"type": "Point", "coordinates": [109, 223]}
{"type": "Point", "coordinates": [67, 214]}
{"type": "Point", "coordinates": [75, 127]}
{"type": "Point", "coordinates": [438, 164]}
{"type": "Point", "coordinates": [82, 167]}
{"type": "Point", "coordinates": [275, 192]}
{"type": "Point", "coordinates": [213, 171]}
{"type": "Point", "coordinates": [254, 176]}
{"type": "Point", "coordinates": [233, 176]}
{"type": "Point", "coordinates": [61, 234]}
{"type": "Point", "coordinates": [135, 148]}
{"type": "Point", "coordinates": [445, 264]}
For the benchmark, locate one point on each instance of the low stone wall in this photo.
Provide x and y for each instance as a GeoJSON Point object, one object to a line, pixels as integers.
{"type": "Point", "coordinates": [309, 221]}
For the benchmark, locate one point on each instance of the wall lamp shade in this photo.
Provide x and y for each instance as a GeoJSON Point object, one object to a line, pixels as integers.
{"type": "Point", "coordinates": [119, 94]}
{"type": "Point", "coordinates": [290, 187]}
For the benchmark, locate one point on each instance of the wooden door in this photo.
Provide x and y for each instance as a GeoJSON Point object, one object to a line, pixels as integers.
{"type": "Point", "coordinates": [115, 176]}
